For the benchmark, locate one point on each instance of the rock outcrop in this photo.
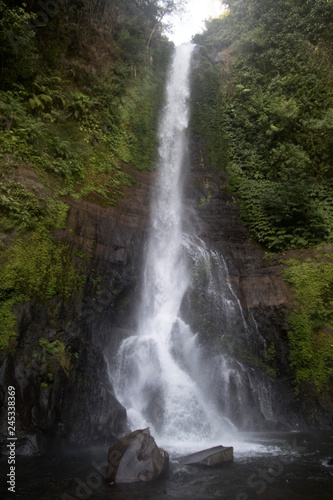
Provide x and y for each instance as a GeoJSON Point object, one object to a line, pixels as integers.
{"type": "Point", "coordinates": [136, 457]}
{"type": "Point", "coordinates": [63, 392]}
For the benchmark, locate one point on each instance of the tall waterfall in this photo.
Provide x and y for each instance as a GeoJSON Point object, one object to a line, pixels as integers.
{"type": "Point", "coordinates": [163, 376]}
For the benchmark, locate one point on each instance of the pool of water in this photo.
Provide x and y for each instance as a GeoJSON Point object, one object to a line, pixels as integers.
{"type": "Point", "coordinates": [275, 466]}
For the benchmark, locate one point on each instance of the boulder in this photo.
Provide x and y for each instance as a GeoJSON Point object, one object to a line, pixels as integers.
{"type": "Point", "coordinates": [136, 457]}
{"type": "Point", "coordinates": [211, 456]}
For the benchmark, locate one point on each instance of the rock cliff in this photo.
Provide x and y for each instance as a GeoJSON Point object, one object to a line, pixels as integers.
{"type": "Point", "coordinates": [63, 392]}
{"type": "Point", "coordinates": [265, 297]}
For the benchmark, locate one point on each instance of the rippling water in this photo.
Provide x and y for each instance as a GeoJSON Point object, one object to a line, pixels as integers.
{"type": "Point", "coordinates": [266, 467]}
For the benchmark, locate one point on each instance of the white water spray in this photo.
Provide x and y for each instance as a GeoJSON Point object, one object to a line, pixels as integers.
{"type": "Point", "coordinates": [161, 377]}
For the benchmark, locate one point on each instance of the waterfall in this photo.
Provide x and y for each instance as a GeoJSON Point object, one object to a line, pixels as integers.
{"type": "Point", "coordinates": [163, 376]}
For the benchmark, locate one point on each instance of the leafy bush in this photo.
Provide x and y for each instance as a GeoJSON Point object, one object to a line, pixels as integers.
{"type": "Point", "coordinates": [90, 104]}
{"type": "Point", "coordinates": [19, 208]}
{"type": "Point", "coordinates": [265, 112]}
{"type": "Point", "coordinates": [17, 45]}
{"type": "Point", "coordinates": [285, 214]}
{"type": "Point", "coordinates": [58, 351]}
{"type": "Point", "coordinates": [311, 334]}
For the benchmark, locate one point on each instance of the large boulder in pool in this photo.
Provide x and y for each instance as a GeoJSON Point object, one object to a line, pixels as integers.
{"type": "Point", "coordinates": [136, 457]}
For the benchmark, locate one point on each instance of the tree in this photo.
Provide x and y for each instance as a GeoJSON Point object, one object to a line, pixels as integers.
{"type": "Point", "coordinates": [17, 44]}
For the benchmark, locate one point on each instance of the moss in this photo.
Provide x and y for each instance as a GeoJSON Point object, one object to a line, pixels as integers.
{"type": "Point", "coordinates": [38, 267]}
{"type": "Point", "coordinates": [57, 351]}
{"type": "Point", "coordinates": [311, 323]}
{"type": "Point", "coordinates": [139, 113]}
{"type": "Point", "coordinates": [35, 267]}
{"type": "Point", "coordinates": [7, 322]}
{"type": "Point", "coordinates": [58, 211]}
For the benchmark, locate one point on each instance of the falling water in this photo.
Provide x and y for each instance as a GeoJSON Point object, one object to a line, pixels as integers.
{"type": "Point", "coordinates": [162, 375]}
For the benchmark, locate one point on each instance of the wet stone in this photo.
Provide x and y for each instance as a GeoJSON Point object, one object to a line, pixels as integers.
{"type": "Point", "coordinates": [136, 457]}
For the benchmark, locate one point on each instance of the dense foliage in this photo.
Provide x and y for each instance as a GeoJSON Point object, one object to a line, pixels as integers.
{"type": "Point", "coordinates": [263, 103]}
{"type": "Point", "coordinates": [311, 334]}
{"type": "Point", "coordinates": [80, 89]}
{"type": "Point", "coordinates": [271, 115]}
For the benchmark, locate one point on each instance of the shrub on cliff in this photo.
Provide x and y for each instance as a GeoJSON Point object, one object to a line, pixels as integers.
{"type": "Point", "coordinates": [272, 112]}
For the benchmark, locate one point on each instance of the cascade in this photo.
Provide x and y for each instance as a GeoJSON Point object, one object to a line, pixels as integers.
{"type": "Point", "coordinates": [163, 376]}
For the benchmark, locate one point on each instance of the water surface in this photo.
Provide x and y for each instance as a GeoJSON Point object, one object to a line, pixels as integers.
{"type": "Point", "coordinates": [266, 466]}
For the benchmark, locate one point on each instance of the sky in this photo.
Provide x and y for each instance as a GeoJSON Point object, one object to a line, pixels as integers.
{"type": "Point", "coordinates": [192, 21]}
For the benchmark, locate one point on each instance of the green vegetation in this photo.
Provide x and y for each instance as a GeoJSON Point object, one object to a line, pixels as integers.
{"type": "Point", "coordinates": [80, 89]}
{"type": "Point", "coordinates": [19, 208]}
{"type": "Point", "coordinates": [264, 360]}
{"type": "Point", "coordinates": [139, 143]}
{"type": "Point", "coordinates": [8, 321]}
{"type": "Point", "coordinates": [52, 348]}
{"type": "Point", "coordinates": [267, 115]}
{"type": "Point", "coordinates": [35, 267]}
{"type": "Point", "coordinates": [55, 352]}
{"type": "Point", "coordinates": [207, 119]}
{"type": "Point", "coordinates": [311, 334]}
{"type": "Point", "coordinates": [17, 44]}
{"type": "Point", "coordinates": [263, 113]}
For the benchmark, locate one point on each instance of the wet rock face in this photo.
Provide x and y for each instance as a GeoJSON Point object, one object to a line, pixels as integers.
{"type": "Point", "coordinates": [136, 457]}
{"type": "Point", "coordinates": [65, 397]}
{"type": "Point", "coordinates": [63, 392]}
{"type": "Point", "coordinates": [264, 296]}
{"type": "Point", "coordinates": [257, 282]}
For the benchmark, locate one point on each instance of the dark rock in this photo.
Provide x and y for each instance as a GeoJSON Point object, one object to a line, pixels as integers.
{"type": "Point", "coordinates": [136, 457]}
{"type": "Point", "coordinates": [266, 301]}
{"type": "Point", "coordinates": [210, 457]}
{"type": "Point", "coordinates": [75, 404]}
{"type": "Point", "coordinates": [68, 399]}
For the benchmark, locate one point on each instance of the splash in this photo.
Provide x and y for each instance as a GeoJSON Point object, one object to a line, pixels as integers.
{"type": "Point", "coordinates": [163, 376]}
